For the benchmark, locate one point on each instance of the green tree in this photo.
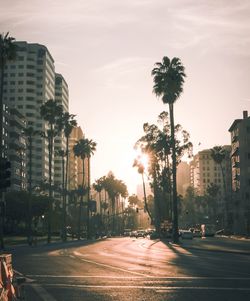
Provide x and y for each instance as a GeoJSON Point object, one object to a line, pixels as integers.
{"type": "Point", "coordinates": [84, 148]}
{"type": "Point", "coordinates": [156, 143]}
{"type": "Point", "coordinates": [212, 192]}
{"type": "Point", "coordinates": [51, 111]}
{"type": "Point", "coordinates": [168, 84]}
{"type": "Point", "coordinates": [115, 189]}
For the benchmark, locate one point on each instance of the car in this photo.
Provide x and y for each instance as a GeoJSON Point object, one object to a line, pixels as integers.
{"type": "Point", "coordinates": [154, 235]}
{"type": "Point", "coordinates": [140, 233]}
{"type": "Point", "coordinates": [196, 232]}
{"type": "Point", "coordinates": [186, 234]}
{"type": "Point", "coordinates": [133, 233]}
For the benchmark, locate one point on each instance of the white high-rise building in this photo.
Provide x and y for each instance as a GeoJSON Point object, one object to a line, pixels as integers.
{"type": "Point", "coordinates": [29, 81]}
{"type": "Point", "coordinates": [62, 97]}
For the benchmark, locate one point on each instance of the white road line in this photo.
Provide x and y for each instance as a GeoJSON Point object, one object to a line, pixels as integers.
{"type": "Point", "coordinates": [112, 267]}
{"type": "Point", "coordinates": [43, 294]}
{"type": "Point", "coordinates": [154, 278]}
{"type": "Point", "coordinates": [156, 288]}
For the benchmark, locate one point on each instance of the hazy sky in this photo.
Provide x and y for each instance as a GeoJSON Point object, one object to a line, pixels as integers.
{"type": "Point", "coordinates": [106, 49]}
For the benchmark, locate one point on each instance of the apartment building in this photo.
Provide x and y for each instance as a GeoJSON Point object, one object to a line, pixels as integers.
{"type": "Point", "coordinates": [183, 177]}
{"type": "Point", "coordinates": [240, 158]}
{"type": "Point", "coordinates": [75, 163]}
{"type": "Point", "coordinates": [204, 171]}
{"type": "Point", "coordinates": [62, 97]}
{"type": "Point", "coordinates": [29, 81]}
{"type": "Point", "coordinates": [17, 150]}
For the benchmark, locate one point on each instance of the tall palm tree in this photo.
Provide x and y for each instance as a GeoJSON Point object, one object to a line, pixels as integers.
{"type": "Point", "coordinates": [66, 123]}
{"type": "Point", "coordinates": [84, 148]}
{"type": "Point", "coordinates": [141, 169]}
{"type": "Point", "coordinates": [62, 154]}
{"type": "Point", "coordinates": [218, 154]}
{"type": "Point", "coordinates": [99, 187]}
{"type": "Point", "coordinates": [30, 133]}
{"type": "Point", "coordinates": [51, 111]}
{"type": "Point", "coordinates": [168, 77]}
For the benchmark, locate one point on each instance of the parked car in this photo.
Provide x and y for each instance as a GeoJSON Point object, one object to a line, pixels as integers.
{"type": "Point", "coordinates": [140, 233]}
{"type": "Point", "coordinates": [154, 235]}
{"type": "Point", "coordinates": [186, 234]}
{"type": "Point", "coordinates": [133, 233]}
{"type": "Point", "coordinates": [196, 232]}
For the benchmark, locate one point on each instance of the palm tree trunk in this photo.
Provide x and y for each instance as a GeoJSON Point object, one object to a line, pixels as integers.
{"type": "Point", "coordinates": [170, 210]}
{"type": "Point", "coordinates": [81, 203]}
{"type": "Point", "coordinates": [30, 191]}
{"type": "Point", "coordinates": [1, 150]}
{"type": "Point", "coordinates": [145, 198]}
{"type": "Point", "coordinates": [65, 187]}
{"type": "Point", "coordinates": [64, 235]}
{"type": "Point", "coordinates": [50, 138]}
{"type": "Point", "coordinates": [225, 207]}
{"type": "Point", "coordinates": [88, 200]}
{"type": "Point", "coordinates": [156, 203]}
{"type": "Point", "coordinates": [175, 206]}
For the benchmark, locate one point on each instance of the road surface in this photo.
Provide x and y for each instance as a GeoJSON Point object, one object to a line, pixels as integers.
{"type": "Point", "coordinates": [128, 269]}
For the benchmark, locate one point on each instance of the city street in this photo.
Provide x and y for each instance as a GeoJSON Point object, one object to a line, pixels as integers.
{"type": "Point", "coordinates": [137, 269]}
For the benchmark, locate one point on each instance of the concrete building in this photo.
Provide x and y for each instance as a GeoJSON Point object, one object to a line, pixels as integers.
{"type": "Point", "coordinates": [183, 177]}
{"type": "Point", "coordinates": [240, 156]}
{"type": "Point", "coordinates": [29, 81]}
{"type": "Point", "coordinates": [75, 163]}
{"type": "Point", "coordinates": [62, 97]}
{"type": "Point", "coordinates": [17, 150]}
{"type": "Point", "coordinates": [205, 171]}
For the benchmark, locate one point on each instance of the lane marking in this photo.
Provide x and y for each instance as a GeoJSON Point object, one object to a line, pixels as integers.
{"type": "Point", "coordinates": [140, 277]}
{"type": "Point", "coordinates": [156, 288]}
{"type": "Point", "coordinates": [43, 294]}
{"type": "Point", "coordinates": [111, 267]}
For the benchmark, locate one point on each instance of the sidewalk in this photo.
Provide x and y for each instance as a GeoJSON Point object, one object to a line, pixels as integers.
{"type": "Point", "coordinates": [218, 244]}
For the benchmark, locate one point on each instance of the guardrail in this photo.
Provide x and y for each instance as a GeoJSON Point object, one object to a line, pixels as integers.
{"type": "Point", "coordinates": [10, 283]}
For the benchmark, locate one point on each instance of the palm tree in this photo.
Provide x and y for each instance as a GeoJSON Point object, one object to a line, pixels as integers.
{"type": "Point", "coordinates": [30, 133]}
{"type": "Point", "coordinates": [84, 148]}
{"type": "Point", "coordinates": [51, 111]}
{"type": "Point", "coordinates": [99, 187]}
{"type": "Point", "coordinates": [168, 84]}
{"type": "Point", "coordinates": [114, 188]}
{"type": "Point", "coordinates": [66, 123]}
{"type": "Point", "coordinates": [62, 154]}
{"type": "Point", "coordinates": [218, 154]}
{"type": "Point", "coordinates": [141, 168]}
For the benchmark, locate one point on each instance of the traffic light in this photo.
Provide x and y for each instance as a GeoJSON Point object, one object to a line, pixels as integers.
{"type": "Point", "coordinates": [5, 173]}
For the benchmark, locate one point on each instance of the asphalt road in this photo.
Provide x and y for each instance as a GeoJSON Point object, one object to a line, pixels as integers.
{"type": "Point", "coordinates": [128, 269]}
